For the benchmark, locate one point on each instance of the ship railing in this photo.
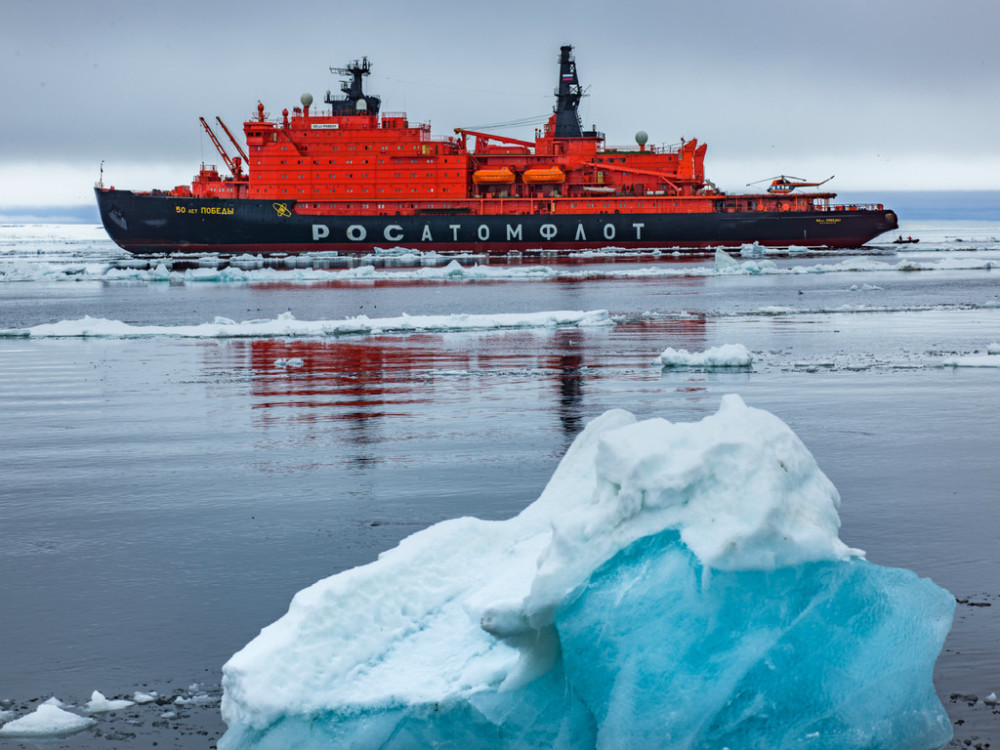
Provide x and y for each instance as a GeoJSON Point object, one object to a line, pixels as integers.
{"type": "Point", "coordinates": [848, 207]}
{"type": "Point", "coordinates": [633, 149]}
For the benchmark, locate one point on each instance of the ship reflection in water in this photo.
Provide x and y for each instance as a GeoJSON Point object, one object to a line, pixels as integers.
{"type": "Point", "coordinates": [380, 389]}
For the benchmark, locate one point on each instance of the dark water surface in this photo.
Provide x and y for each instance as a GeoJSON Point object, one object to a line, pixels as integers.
{"type": "Point", "coordinates": [163, 498]}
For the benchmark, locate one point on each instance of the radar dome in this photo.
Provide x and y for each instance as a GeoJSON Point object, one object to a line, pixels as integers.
{"type": "Point", "coordinates": [361, 106]}
{"type": "Point", "coordinates": [641, 137]}
{"type": "Point", "coordinates": [306, 99]}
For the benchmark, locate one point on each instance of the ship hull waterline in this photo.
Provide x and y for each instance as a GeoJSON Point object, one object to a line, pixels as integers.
{"type": "Point", "coordinates": [163, 225]}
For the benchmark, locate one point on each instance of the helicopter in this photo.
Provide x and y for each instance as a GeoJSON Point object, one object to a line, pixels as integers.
{"type": "Point", "coordinates": [785, 184]}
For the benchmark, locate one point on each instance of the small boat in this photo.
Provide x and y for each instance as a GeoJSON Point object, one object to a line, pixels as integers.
{"type": "Point", "coordinates": [907, 241]}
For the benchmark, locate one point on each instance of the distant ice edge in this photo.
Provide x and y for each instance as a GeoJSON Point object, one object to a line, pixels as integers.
{"type": "Point", "coordinates": [676, 585]}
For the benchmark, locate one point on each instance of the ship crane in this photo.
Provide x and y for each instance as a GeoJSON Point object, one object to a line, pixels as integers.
{"type": "Point", "coordinates": [235, 164]}
{"type": "Point", "coordinates": [784, 184]}
{"type": "Point", "coordinates": [234, 141]}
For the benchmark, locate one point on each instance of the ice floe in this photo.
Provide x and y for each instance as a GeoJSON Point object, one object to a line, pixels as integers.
{"type": "Point", "coordinates": [47, 720]}
{"type": "Point", "coordinates": [286, 325]}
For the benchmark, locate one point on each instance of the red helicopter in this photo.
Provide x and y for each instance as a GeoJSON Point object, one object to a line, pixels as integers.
{"type": "Point", "coordinates": [785, 184]}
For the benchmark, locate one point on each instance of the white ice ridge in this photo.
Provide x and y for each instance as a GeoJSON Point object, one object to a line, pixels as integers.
{"type": "Point", "coordinates": [247, 270]}
{"type": "Point", "coordinates": [727, 355]}
{"type": "Point", "coordinates": [286, 326]}
{"type": "Point", "coordinates": [706, 553]}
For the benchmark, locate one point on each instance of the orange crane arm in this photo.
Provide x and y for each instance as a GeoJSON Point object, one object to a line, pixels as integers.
{"type": "Point", "coordinates": [235, 143]}
{"type": "Point", "coordinates": [632, 170]}
{"type": "Point", "coordinates": [222, 152]}
{"type": "Point", "coordinates": [501, 138]}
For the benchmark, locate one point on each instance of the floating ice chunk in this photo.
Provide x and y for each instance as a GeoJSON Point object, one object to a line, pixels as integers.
{"type": "Point", "coordinates": [991, 699]}
{"type": "Point", "coordinates": [143, 698]}
{"type": "Point", "coordinates": [197, 699]}
{"type": "Point", "coordinates": [46, 721]}
{"type": "Point", "coordinates": [993, 349]}
{"type": "Point", "coordinates": [726, 264]}
{"type": "Point", "coordinates": [98, 703]}
{"type": "Point", "coordinates": [675, 585]}
{"type": "Point", "coordinates": [727, 355]}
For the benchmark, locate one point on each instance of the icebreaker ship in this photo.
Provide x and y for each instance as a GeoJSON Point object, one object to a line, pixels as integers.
{"type": "Point", "coordinates": [676, 585]}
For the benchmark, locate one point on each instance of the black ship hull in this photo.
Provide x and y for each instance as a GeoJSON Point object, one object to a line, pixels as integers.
{"type": "Point", "coordinates": [147, 224]}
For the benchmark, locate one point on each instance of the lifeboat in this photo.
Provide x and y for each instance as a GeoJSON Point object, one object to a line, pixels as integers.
{"type": "Point", "coordinates": [501, 176]}
{"type": "Point", "coordinates": [544, 176]}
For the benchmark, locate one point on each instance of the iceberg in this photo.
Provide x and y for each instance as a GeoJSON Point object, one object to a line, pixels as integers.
{"type": "Point", "coordinates": [676, 585]}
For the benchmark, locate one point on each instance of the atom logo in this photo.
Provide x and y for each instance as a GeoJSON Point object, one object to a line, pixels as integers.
{"type": "Point", "coordinates": [282, 210]}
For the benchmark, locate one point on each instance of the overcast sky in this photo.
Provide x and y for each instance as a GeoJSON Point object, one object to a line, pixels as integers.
{"type": "Point", "coordinates": [883, 94]}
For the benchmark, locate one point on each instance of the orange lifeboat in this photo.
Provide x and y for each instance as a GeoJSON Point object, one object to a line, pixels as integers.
{"type": "Point", "coordinates": [544, 176]}
{"type": "Point", "coordinates": [501, 176]}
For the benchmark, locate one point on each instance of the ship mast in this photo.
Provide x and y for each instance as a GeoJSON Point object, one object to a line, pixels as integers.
{"type": "Point", "coordinates": [355, 102]}
{"type": "Point", "coordinates": [568, 97]}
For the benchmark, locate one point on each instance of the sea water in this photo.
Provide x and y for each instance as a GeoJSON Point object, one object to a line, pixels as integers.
{"type": "Point", "coordinates": [165, 495]}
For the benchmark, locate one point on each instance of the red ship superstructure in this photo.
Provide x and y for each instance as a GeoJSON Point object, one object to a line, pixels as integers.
{"type": "Point", "coordinates": [349, 178]}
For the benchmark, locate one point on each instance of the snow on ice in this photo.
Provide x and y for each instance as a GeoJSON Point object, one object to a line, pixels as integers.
{"type": "Point", "coordinates": [675, 585]}
{"type": "Point", "coordinates": [727, 355]}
